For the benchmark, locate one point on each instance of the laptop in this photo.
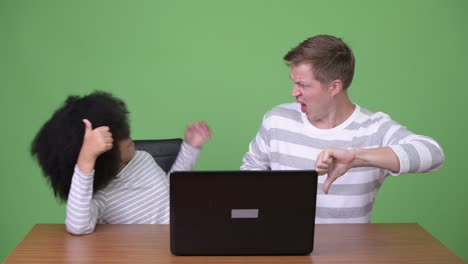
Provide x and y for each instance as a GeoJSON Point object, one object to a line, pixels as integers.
{"type": "Point", "coordinates": [242, 212]}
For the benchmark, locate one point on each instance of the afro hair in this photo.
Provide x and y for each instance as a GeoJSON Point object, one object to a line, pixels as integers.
{"type": "Point", "coordinates": [57, 144]}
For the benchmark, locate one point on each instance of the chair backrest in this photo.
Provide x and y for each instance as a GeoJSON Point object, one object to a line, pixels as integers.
{"type": "Point", "coordinates": [164, 151]}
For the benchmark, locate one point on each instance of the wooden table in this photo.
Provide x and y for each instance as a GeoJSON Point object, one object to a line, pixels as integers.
{"type": "Point", "coordinates": [344, 243]}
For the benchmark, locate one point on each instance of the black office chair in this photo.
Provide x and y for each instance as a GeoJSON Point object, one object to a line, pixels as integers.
{"type": "Point", "coordinates": [164, 151]}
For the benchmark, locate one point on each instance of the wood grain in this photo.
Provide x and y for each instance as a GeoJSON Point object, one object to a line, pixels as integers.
{"type": "Point", "coordinates": [344, 243]}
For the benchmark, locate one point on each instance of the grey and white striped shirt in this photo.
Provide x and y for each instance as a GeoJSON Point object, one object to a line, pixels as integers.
{"type": "Point", "coordinates": [288, 141]}
{"type": "Point", "coordinates": [138, 195]}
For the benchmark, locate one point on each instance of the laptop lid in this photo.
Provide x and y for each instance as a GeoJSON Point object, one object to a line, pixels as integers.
{"type": "Point", "coordinates": [242, 212]}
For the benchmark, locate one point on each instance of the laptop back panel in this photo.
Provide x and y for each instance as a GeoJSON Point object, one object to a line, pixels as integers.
{"type": "Point", "coordinates": [242, 212]}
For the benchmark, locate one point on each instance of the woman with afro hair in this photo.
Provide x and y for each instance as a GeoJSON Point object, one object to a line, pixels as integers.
{"type": "Point", "coordinates": [86, 153]}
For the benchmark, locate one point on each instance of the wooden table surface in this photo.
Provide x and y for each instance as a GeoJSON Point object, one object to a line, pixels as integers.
{"type": "Point", "coordinates": [334, 243]}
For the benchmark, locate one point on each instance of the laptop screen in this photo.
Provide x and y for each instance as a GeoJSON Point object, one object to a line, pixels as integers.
{"type": "Point", "coordinates": [242, 212]}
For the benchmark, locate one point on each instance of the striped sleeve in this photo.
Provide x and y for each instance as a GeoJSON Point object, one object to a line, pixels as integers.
{"type": "Point", "coordinates": [258, 156]}
{"type": "Point", "coordinates": [82, 211]}
{"type": "Point", "coordinates": [415, 153]}
{"type": "Point", "coordinates": [187, 158]}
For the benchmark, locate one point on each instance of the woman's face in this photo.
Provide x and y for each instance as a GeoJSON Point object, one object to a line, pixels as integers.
{"type": "Point", "coordinates": [127, 150]}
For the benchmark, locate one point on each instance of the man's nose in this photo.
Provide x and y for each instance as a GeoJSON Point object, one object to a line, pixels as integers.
{"type": "Point", "coordinates": [295, 91]}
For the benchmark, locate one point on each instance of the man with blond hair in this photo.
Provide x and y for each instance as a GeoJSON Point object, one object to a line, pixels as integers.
{"type": "Point", "coordinates": [353, 148]}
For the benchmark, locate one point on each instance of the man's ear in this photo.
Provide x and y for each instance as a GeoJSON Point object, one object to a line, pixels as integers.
{"type": "Point", "coordinates": [335, 87]}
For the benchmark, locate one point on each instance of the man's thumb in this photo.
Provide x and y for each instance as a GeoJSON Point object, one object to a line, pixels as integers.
{"type": "Point", "coordinates": [88, 126]}
{"type": "Point", "coordinates": [327, 184]}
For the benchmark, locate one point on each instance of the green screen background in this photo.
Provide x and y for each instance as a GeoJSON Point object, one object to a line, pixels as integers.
{"type": "Point", "coordinates": [176, 62]}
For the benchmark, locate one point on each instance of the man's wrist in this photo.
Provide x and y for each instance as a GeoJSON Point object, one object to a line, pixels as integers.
{"type": "Point", "coordinates": [358, 157]}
